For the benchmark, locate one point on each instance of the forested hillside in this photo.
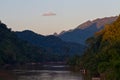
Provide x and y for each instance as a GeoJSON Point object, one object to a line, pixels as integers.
{"type": "Point", "coordinates": [34, 48]}
{"type": "Point", "coordinates": [16, 51]}
{"type": "Point", "coordinates": [102, 58]}
{"type": "Point", "coordinates": [52, 44]}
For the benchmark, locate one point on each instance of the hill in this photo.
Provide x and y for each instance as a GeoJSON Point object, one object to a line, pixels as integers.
{"type": "Point", "coordinates": [16, 51]}
{"type": "Point", "coordinates": [29, 47]}
{"type": "Point", "coordinates": [51, 43]}
{"type": "Point", "coordinates": [102, 58]}
{"type": "Point", "coordinates": [85, 30]}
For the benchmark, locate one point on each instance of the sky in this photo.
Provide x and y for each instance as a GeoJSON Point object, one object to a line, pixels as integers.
{"type": "Point", "coordinates": [49, 16]}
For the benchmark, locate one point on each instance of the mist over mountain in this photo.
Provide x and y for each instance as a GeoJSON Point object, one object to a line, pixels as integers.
{"type": "Point", "coordinates": [85, 30]}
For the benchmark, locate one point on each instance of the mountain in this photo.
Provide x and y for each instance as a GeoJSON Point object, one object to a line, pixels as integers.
{"type": "Point", "coordinates": [102, 58]}
{"type": "Point", "coordinates": [85, 30]}
{"type": "Point", "coordinates": [28, 47]}
{"type": "Point", "coordinates": [51, 43]}
{"type": "Point", "coordinates": [16, 51]}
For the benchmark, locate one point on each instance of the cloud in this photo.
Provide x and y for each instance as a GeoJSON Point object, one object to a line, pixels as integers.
{"type": "Point", "coordinates": [49, 14]}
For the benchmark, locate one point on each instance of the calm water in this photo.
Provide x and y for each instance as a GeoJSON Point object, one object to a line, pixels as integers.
{"type": "Point", "coordinates": [47, 74]}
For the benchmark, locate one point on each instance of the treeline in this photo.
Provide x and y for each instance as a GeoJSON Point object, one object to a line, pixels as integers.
{"type": "Point", "coordinates": [16, 51]}
{"type": "Point", "coordinates": [102, 57]}
{"type": "Point", "coordinates": [13, 50]}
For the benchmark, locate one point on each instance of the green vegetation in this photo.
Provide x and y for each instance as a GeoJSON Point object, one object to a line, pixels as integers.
{"type": "Point", "coordinates": [102, 57]}
{"type": "Point", "coordinates": [15, 51]}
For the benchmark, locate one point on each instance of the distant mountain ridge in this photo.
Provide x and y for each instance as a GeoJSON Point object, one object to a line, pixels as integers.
{"type": "Point", "coordinates": [28, 47]}
{"type": "Point", "coordinates": [51, 43]}
{"type": "Point", "coordinates": [99, 21]}
{"type": "Point", "coordinates": [85, 30]}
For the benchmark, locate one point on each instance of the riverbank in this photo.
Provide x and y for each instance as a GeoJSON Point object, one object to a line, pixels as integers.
{"type": "Point", "coordinates": [38, 71]}
{"type": "Point", "coordinates": [7, 75]}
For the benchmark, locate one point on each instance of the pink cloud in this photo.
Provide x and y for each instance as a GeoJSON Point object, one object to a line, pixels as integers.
{"type": "Point", "coordinates": [49, 14]}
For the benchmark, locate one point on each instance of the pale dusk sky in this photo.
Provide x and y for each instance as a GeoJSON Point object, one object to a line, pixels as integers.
{"type": "Point", "coordinates": [49, 16]}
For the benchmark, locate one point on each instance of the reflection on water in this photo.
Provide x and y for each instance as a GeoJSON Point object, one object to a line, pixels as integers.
{"type": "Point", "coordinates": [47, 75]}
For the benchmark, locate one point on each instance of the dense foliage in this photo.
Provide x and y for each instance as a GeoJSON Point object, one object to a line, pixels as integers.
{"type": "Point", "coordinates": [102, 58]}
{"type": "Point", "coordinates": [15, 51]}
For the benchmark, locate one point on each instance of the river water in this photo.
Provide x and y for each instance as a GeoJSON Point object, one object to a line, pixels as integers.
{"type": "Point", "coordinates": [53, 73]}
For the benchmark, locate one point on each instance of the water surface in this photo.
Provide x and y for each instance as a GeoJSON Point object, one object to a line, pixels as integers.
{"type": "Point", "coordinates": [48, 74]}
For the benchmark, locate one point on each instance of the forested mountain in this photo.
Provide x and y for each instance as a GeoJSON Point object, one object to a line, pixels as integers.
{"type": "Point", "coordinates": [28, 47]}
{"type": "Point", "coordinates": [102, 58]}
{"type": "Point", "coordinates": [16, 51]}
{"type": "Point", "coordinates": [85, 30]}
{"type": "Point", "coordinates": [51, 43]}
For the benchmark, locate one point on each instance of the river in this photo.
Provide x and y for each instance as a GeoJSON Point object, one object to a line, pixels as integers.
{"type": "Point", "coordinates": [49, 72]}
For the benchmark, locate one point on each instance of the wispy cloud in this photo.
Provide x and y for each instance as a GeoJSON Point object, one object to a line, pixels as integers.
{"type": "Point", "coordinates": [49, 14]}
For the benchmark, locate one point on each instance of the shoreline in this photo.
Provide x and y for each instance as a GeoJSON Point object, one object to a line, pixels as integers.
{"type": "Point", "coordinates": [7, 75]}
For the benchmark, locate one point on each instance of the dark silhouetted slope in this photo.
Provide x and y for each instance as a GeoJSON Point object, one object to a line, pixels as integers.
{"type": "Point", "coordinates": [51, 43]}
{"type": "Point", "coordinates": [16, 51]}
